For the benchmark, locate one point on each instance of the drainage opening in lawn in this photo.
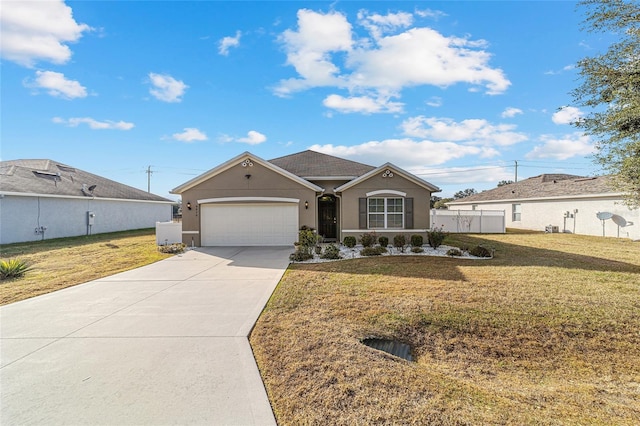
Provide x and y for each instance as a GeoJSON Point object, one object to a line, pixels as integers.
{"type": "Point", "coordinates": [393, 347]}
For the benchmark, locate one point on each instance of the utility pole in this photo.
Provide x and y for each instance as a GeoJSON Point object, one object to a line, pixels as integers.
{"type": "Point", "coordinates": [516, 161]}
{"type": "Point", "coordinates": [149, 173]}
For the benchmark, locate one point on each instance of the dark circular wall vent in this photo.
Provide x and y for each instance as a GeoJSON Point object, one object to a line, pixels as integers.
{"type": "Point", "coordinates": [392, 347]}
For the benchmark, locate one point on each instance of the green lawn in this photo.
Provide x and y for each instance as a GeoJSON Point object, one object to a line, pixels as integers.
{"type": "Point", "coordinates": [548, 332]}
{"type": "Point", "coordinates": [63, 262]}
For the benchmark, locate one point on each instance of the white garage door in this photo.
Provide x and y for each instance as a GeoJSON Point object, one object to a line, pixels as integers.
{"type": "Point", "coordinates": [249, 224]}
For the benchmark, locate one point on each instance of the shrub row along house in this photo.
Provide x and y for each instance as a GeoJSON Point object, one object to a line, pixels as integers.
{"type": "Point", "coordinates": [250, 201]}
{"type": "Point", "coordinates": [45, 198]}
{"type": "Point", "coordinates": [560, 203]}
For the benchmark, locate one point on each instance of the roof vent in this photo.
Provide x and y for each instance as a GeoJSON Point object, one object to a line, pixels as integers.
{"type": "Point", "coordinates": [66, 168]}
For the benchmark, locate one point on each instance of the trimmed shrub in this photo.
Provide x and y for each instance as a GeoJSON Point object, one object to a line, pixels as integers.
{"type": "Point", "coordinates": [417, 250]}
{"type": "Point", "coordinates": [373, 251]}
{"type": "Point", "coordinates": [480, 251]}
{"type": "Point", "coordinates": [349, 241]}
{"type": "Point", "coordinates": [383, 241]}
{"type": "Point", "coordinates": [399, 241]}
{"type": "Point", "coordinates": [454, 252]}
{"type": "Point", "coordinates": [13, 268]}
{"type": "Point", "coordinates": [331, 252]}
{"type": "Point", "coordinates": [436, 237]}
{"type": "Point", "coordinates": [367, 240]}
{"type": "Point", "coordinates": [300, 256]}
{"type": "Point", "coordinates": [172, 248]}
{"type": "Point", "coordinates": [417, 240]}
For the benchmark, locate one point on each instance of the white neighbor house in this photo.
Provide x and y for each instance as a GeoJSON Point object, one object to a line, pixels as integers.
{"type": "Point", "coordinates": [559, 203]}
{"type": "Point", "coordinates": [44, 199]}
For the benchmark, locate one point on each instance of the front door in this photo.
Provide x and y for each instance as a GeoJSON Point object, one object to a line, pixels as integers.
{"type": "Point", "coordinates": [327, 217]}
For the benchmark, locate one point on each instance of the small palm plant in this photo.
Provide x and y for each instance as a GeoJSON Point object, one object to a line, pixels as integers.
{"type": "Point", "coordinates": [13, 268]}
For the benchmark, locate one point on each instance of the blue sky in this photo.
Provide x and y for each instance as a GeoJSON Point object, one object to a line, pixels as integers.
{"type": "Point", "coordinates": [454, 92]}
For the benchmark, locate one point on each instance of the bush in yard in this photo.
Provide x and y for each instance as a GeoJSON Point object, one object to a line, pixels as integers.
{"type": "Point", "coordinates": [454, 252]}
{"type": "Point", "coordinates": [373, 251]}
{"type": "Point", "coordinates": [12, 268]}
{"type": "Point", "coordinates": [300, 256]}
{"type": "Point", "coordinates": [172, 248]}
{"type": "Point", "coordinates": [399, 241]}
{"type": "Point", "coordinates": [383, 241]}
{"type": "Point", "coordinates": [331, 252]}
{"type": "Point", "coordinates": [367, 240]}
{"type": "Point", "coordinates": [417, 250]}
{"type": "Point", "coordinates": [305, 246]}
{"type": "Point", "coordinates": [480, 251]}
{"type": "Point", "coordinates": [416, 240]}
{"type": "Point", "coordinates": [349, 241]}
{"type": "Point", "coordinates": [435, 237]}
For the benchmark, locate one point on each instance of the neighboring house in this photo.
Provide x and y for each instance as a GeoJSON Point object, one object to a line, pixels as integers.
{"type": "Point", "coordinates": [46, 199]}
{"type": "Point", "coordinates": [251, 201]}
{"type": "Point", "coordinates": [560, 203]}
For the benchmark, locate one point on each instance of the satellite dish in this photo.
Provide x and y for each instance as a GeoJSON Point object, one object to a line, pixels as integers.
{"type": "Point", "coordinates": [619, 220]}
{"type": "Point", "coordinates": [604, 215]}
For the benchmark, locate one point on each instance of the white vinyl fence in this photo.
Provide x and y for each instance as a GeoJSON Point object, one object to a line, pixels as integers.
{"type": "Point", "coordinates": [471, 221]}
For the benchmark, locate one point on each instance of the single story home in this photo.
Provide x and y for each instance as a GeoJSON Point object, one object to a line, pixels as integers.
{"type": "Point", "coordinates": [560, 203]}
{"type": "Point", "coordinates": [250, 201]}
{"type": "Point", "coordinates": [47, 199]}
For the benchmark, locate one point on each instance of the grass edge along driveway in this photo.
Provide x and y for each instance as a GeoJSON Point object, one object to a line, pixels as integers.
{"type": "Point", "coordinates": [65, 262]}
{"type": "Point", "coordinates": [545, 333]}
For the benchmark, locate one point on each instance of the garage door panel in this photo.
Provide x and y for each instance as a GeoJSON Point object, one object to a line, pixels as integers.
{"type": "Point", "coordinates": [257, 224]}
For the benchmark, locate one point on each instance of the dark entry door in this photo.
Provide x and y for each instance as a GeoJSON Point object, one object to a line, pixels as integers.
{"type": "Point", "coordinates": [327, 217]}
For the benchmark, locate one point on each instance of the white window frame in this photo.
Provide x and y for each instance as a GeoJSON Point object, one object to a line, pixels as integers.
{"type": "Point", "coordinates": [516, 212]}
{"type": "Point", "coordinates": [385, 212]}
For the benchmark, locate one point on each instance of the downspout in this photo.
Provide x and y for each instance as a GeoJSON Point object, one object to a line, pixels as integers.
{"type": "Point", "coordinates": [339, 233]}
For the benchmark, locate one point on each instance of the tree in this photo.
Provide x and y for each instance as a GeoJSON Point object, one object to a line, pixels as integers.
{"type": "Point", "coordinates": [467, 192]}
{"type": "Point", "coordinates": [434, 200]}
{"type": "Point", "coordinates": [505, 182]}
{"type": "Point", "coordinates": [442, 203]}
{"type": "Point", "coordinates": [610, 89]}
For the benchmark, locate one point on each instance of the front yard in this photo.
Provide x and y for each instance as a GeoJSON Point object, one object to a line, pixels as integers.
{"type": "Point", "coordinates": [545, 333]}
{"type": "Point", "coordinates": [65, 262]}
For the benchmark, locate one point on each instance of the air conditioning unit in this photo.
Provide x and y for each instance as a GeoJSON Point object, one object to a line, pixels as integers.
{"type": "Point", "coordinates": [551, 229]}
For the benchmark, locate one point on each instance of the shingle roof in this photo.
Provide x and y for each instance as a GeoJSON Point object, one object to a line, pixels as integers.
{"type": "Point", "coordinates": [49, 177]}
{"type": "Point", "coordinates": [309, 164]}
{"type": "Point", "coordinates": [543, 186]}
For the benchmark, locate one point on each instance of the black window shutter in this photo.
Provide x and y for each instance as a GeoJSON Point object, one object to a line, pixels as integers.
{"type": "Point", "coordinates": [408, 213]}
{"type": "Point", "coordinates": [362, 209]}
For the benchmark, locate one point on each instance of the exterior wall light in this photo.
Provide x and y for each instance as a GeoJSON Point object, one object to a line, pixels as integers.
{"type": "Point", "coordinates": [188, 205]}
{"type": "Point", "coordinates": [306, 204]}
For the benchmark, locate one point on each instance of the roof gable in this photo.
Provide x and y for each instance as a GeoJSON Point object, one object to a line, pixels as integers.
{"type": "Point", "coordinates": [543, 186]}
{"type": "Point", "coordinates": [395, 169]}
{"type": "Point", "coordinates": [48, 177]}
{"type": "Point", "coordinates": [246, 156]}
{"type": "Point", "coordinates": [313, 165]}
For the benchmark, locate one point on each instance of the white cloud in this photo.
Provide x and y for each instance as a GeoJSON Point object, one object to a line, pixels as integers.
{"type": "Point", "coordinates": [32, 31]}
{"type": "Point", "coordinates": [429, 13]}
{"type": "Point", "coordinates": [325, 53]}
{"type": "Point", "coordinates": [567, 115]}
{"type": "Point", "coordinates": [362, 104]}
{"type": "Point", "coordinates": [435, 101]}
{"type": "Point", "coordinates": [405, 152]}
{"type": "Point", "coordinates": [464, 175]}
{"type": "Point", "coordinates": [228, 42]}
{"type": "Point", "coordinates": [94, 124]}
{"type": "Point", "coordinates": [562, 148]}
{"type": "Point", "coordinates": [57, 85]}
{"type": "Point", "coordinates": [253, 138]}
{"type": "Point", "coordinates": [166, 88]}
{"type": "Point", "coordinates": [471, 131]}
{"type": "Point", "coordinates": [190, 134]}
{"type": "Point", "coordinates": [511, 112]}
{"type": "Point", "coordinates": [377, 25]}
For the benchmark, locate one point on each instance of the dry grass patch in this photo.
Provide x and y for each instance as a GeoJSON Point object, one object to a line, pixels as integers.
{"type": "Point", "coordinates": [545, 333]}
{"type": "Point", "coordinates": [65, 262]}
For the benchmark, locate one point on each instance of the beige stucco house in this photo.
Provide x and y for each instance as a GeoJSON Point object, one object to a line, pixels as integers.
{"type": "Point", "coordinates": [560, 203]}
{"type": "Point", "coordinates": [250, 201]}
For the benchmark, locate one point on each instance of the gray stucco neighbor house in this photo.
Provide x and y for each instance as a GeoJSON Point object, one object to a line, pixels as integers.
{"type": "Point", "coordinates": [250, 201]}
{"type": "Point", "coordinates": [47, 199]}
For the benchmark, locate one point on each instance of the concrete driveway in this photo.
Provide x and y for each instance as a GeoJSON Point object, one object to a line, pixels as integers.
{"type": "Point", "coordinates": [162, 344]}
